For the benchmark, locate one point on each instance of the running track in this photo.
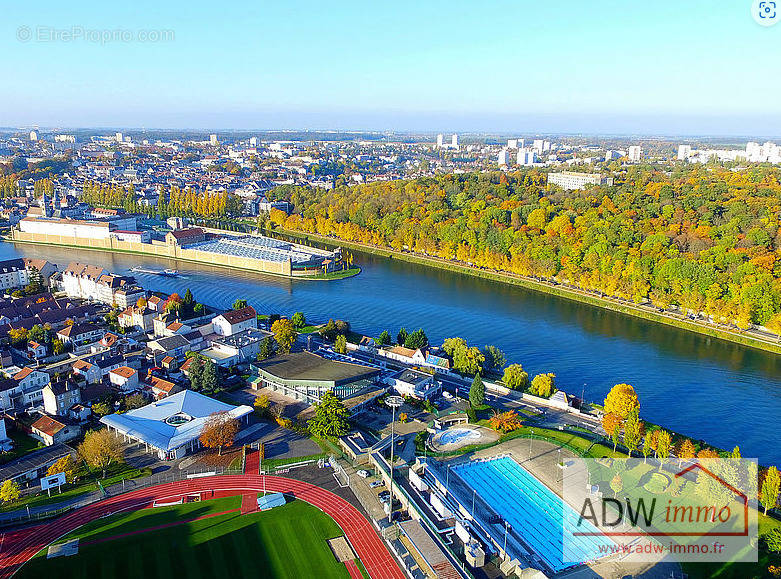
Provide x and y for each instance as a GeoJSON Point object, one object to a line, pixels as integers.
{"type": "Point", "coordinates": [19, 546]}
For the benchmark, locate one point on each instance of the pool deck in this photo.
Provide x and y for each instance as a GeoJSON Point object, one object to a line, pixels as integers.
{"type": "Point", "coordinates": [541, 459]}
{"type": "Point", "coordinates": [486, 435]}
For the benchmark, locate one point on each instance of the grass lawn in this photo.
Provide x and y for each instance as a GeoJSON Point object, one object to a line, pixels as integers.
{"type": "Point", "coordinates": [22, 445]}
{"type": "Point", "coordinates": [87, 483]}
{"type": "Point", "coordinates": [288, 541]}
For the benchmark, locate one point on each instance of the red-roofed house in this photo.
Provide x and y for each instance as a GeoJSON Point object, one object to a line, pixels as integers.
{"type": "Point", "coordinates": [125, 378]}
{"type": "Point", "coordinates": [52, 430]}
{"type": "Point", "coordinates": [235, 321]}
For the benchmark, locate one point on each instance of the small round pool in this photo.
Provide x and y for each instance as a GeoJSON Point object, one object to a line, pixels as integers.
{"type": "Point", "coordinates": [458, 435]}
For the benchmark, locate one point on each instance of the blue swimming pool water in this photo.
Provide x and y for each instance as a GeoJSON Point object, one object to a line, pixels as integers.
{"type": "Point", "coordinates": [534, 512]}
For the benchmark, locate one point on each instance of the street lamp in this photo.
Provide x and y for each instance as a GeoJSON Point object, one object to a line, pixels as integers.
{"type": "Point", "coordinates": [506, 526]}
{"type": "Point", "coordinates": [530, 443]}
{"type": "Point", "coordinates": [394, 402]}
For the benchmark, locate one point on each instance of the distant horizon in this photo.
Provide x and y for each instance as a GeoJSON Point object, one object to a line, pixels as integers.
{"type": "Point", "coordinates": [503, 133]}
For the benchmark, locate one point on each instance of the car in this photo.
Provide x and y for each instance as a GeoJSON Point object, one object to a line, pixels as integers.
{"type": "Point", "coordinates": [363, 473]}
{"type": "Point", "coordinates": [376, 484]}
{"type": "Point", "coordinates": [384, 495]}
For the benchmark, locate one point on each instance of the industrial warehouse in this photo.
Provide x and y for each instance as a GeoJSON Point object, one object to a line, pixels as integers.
{"type": "Point", "coordinates": [200, 245]}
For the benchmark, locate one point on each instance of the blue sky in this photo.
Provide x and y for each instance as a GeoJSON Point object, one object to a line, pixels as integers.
{"type": "Point", "coordinates": [661, 67]}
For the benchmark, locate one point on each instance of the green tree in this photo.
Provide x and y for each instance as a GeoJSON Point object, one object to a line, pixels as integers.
{"type": "Point", "coordinates": [340, 345]}
{"type": "Point", "coordinates": [35, 282]}
{"type": "Point", "coordinates": [195, 372]}
{"type": "Point", "coordinates": [663, 444]}
{"type": "Point", "coordinates": [494, 358]}
{"type": "Point", "coordinates": [210, 377]}
{"type": "Point", "coordinates": [65, 465]}
{"type": "Point", "coordinates": [477, 391]}
{"type": "Point", "coordinates": [238, 304]}
{"type": "Point", "coordinates": [770, 488]}
{"type": "Point", "coordinates": [9, 491]}
{"type": "Point", "coordinates": [401, 337]}
{"type": "Point", "coordinates": [58, 347]}
{"type": "Point", "coordinates": [102, 408]}
{"type": "Point", "coordinates": [266, 349]}
{"type": "Point", "coordinates": [101, 449]}
{"type": "Point", "coordinates": [515, 377]}
{"type": "Point", "coordinates": [331, 419]}
{"type": "Point", "coordinates": [134, 401]}
{"type": "Point", "coordinates": [615, 435]}
{"type": "Point", "coordinates": [285, 334]}
{"type": "Point", "coordinates": [544, 385]}
{"type": "Point", "coordinates": [298, 319]}
{"type": "Point", "coordinates": [416, 340]}
{"type": "Point", "coordinates": [632, 431]}
{"type": "Point", "coordinates": [384, 339]}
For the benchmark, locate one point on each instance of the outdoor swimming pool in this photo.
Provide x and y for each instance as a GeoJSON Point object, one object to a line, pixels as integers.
{"type": "Point", "coordinates": [533, 511]}
{"type": "Point", "coordinates": [454, 435]}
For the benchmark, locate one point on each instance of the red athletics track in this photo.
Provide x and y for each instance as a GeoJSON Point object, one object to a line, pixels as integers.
{"type": "Point", "coordinates": [19, 546]}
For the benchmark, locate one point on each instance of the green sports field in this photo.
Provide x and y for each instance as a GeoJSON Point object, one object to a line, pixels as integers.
{"type": "Point", "coordinates": [288, 541]}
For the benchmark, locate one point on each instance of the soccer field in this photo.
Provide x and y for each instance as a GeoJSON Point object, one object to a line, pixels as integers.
{"type": "Point", "coordinates": [288, 541]}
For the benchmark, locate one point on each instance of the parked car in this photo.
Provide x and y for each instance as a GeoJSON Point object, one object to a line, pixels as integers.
{"type": "Point", "coordinates": [376, 484]}
{"type": "Point", "coordinates": [363, 473]}
{"type": "Point", "coordinates": [384, 495]}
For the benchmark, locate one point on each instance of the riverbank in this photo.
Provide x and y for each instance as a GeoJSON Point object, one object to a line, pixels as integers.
{"type": "Point", "coordinates": [648, 313]}
{"type": "Point", "coordinates": [343, 274]}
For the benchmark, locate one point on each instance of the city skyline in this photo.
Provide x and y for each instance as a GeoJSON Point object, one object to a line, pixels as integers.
{"type": "Point", "coordinates": [661, 69]}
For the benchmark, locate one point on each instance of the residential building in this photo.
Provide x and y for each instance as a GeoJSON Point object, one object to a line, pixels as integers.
{"type": "Point", "coordinates": [175, 346]}
{"type": "Point", "coordinates": [568, 180]}
{"type": "Point", "coordinates": [36, 351]}
{"type": "Point", "coordinates": [415, 384]}
{"type": "Point", "coordinates": [235, 321]}
{"type": "Point", "coordinates": [21, 387]}
{"type": "Point", "coordinates": [54, 430]}
{"type": "Point", "coordinates": [160, 387]}
{"type": "Point", "coordinates": [59, 397]}
{"type": "Point", "coordinates": [90, 372]}
{"type": "Point", "coordinates": [80, 336]}
{"type": "Point", "coordinates": [635, 153]}
{"type": "Point", "coordinates": [136, 318]}
{"type": "Point", "coordinates": [402, 354]}
{"type": "Point", "coordinates": [13, 275]}
{"type": "Point", "coordinates": [236, 348]}
{"type": "Point", "coordinates": [124, 378]}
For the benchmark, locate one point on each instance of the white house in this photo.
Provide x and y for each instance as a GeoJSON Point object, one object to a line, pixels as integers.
{"type": "Point", "coordinates": [21, 387]}
{"type": "Point", "coordinates": [91, 372]}
{"type": "Point", "coordinates": [415, 384]}
{"type": "Point", "coordinates": [235, 321]}
{"type": "Point", "coordinates": [125, 378]}
{"type": "Point", "coordinates": [13, 274]}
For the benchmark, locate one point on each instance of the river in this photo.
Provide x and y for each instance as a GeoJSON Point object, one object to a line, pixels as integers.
{"type": "Point", "coordinates": [705, 388]}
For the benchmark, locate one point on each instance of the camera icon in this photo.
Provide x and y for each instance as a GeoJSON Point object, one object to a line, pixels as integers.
{"type": "Point", "coordinates": [765, 12]}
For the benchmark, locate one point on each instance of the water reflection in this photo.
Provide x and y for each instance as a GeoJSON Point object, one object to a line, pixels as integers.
{"type": "Point", "coordinates": [698, 385]}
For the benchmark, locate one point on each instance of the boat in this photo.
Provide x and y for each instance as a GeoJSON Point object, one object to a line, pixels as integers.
{"type": "Point", "coordinates": [163, 272]}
